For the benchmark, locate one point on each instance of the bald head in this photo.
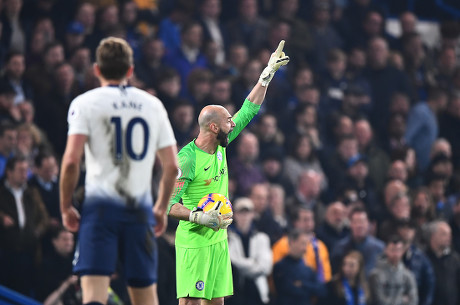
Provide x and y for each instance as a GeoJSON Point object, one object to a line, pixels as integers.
{"type": "Point", "coordinates": [211, 114]}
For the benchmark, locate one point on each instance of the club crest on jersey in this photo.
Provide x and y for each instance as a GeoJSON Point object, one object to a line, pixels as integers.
{"type": "Point", "coordinates": [74, 113]}
{"type": "Point", "coordinates": [199, 285]}
{"type": "Point", "coordinates": [179, 173]}
{"type": "Point", "coordinates": [219, 156]}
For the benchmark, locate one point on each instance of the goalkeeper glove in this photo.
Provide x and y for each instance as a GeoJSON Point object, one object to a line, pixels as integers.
{"type": "Point", "coordinates": [211, 219]}
{"type": "Point", "coordinates": [277, 60]}
{"type": "Point", "coordinates": [226, 220]}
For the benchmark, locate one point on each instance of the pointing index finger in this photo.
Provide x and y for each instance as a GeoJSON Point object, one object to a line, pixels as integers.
{"type": "Point", "coordinates": [279, 50]}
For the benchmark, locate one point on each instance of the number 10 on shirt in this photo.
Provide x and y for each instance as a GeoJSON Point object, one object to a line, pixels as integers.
{"type": "Point", "coordinates": [127, 138]}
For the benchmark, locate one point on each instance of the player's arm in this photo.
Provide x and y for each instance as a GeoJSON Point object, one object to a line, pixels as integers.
{"type": "Point", "coordinates": [210, 219]}
{"type": "Point", "coordinates": [70, 172]}
{"type": "Point", "coordinates": [257, 95]}
{"type": "Point", "coordinates": [167, 156]}
{"type": "Point", "coordinates": [277, 59]}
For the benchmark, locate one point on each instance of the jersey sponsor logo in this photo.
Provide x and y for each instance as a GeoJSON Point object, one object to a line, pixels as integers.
{"type": "Point", "coordinates": [206, 168]}
{"type": "Point", "coordinates": [216, 178]}
{"type": "Point", "coordinates": [219, 156]}
{"type": "Point", "coordinates": [199, 285]}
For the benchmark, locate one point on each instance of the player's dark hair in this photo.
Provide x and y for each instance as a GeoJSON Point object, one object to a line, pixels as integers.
{"type": "Point", "coordinates": [114, 57]}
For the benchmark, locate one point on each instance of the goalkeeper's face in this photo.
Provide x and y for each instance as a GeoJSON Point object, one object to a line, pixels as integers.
{"type": "Point", "coordinates": [225, 128]}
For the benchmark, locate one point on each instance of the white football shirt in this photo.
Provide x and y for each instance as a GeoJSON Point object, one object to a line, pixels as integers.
{"type": "Point", "coordinates": [125, 128]}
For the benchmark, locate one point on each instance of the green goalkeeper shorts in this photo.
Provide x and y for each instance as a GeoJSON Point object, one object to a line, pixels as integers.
{"type": "Point", "coordinates": [205, 272]}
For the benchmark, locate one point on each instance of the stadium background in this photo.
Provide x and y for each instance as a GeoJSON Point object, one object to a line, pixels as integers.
{"type": "Point", "coordinates": [370, 97]}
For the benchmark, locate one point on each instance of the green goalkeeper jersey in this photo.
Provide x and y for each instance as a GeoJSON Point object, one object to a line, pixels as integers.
{"type": "Point", "coordinates": [202, 173]}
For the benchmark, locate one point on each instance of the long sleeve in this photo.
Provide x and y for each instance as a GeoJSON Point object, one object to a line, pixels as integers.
{"type": "Point", "coordinates": [411, 288]}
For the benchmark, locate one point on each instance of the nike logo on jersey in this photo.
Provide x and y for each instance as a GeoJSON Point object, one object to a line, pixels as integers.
{"type": "Point", "coordinates": [206, 168]}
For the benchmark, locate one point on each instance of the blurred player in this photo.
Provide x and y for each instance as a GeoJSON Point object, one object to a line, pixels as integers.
{"type": "Point", "coordinates": [120, 128]}
{"type": "Point", "coordinates": [202, 260]}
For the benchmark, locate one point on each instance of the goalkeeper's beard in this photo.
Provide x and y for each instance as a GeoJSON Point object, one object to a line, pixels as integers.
{"type": "Point", "coordinates": [223, 138]}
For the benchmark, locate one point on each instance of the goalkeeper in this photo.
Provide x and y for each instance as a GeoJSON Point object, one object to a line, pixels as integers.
{"type": "Point", "coordinates": [202, 260]}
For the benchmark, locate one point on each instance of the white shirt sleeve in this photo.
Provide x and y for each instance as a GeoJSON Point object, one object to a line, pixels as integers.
{"type": "Point", "coordinates": [77, 118]}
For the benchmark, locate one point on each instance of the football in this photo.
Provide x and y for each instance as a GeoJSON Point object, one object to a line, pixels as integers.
{"type": "Point", "coordinates": [209, 202]}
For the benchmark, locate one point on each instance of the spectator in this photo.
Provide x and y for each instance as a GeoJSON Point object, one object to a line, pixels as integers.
{"type": "Point", "coordinates": [15, 67]}
{"type": "Point", "coordinates": [52, 111]}
{"type": "Point", "coordinates": [199, 87]}
{"type": "Point", "coordinates": [272, 167]}
{"type": "Point", "coordinates": [237, 58]}
{"type": "Point", "coordinates": [295, 282]}
{"type": "Point", "coordinates": [55, 279]}
{"type": "Point", "coordinates": [302, 158]}
{"type": "Point", "coordinates": [182, 121]}
{"type": "Point", "coordinates": [151, 62]}
{"type": "Point", "coordinates": [422, 126]}
{"type": "Point", "coordinates": [263, 218]}
{"type": "Point", "coordinates": [334, 227]}
{"type": "Point", "coordinates": [398, 171]}
{"type": "Point", "coordinates": [8, 111]}
{"type": "Point", "coordinates": [445, 69]}
{"type": "Point", "coordinates": [86, 16]}
{"type": "Point", "coordinates": [270, 136]}
{"type": "Point", "coordinates": [168, 86]}
{"type": "Point", "coordinates": [8, 144]}
{"type": "Point", "coordinates": [45, 180]}
{"type": "Point", "coordinates": [384, 82]}
{"type": "Point", "coordinates": [40, 74]}
{"type": "Point", "coordinates": [390, 281]}
{"type": "Point", "coordinates": [323, 34]}
{"type": "Point", "coordinates": [188, 56]}
{"type": "Point", "coordinates": [13, 34]}
{"type": "Point", "coordinates": [248, 28]}
{"type": "Point", "coordinates": [213, 29]}
{"type": "Point", "coordinates": [437, 188]}
{"type": "Point", "coordinates": [336, 166]}
{"type": "Point", "coordinates": [455, 226]}
{"type": "Point", "coordinates": [277, 203]}
{"type": "Point", "coordinates": [245, 166]}
{"type": "Point", "coordinates": [74, 37]}
{"type": "Point", "coordinates": [360, 240]}
{"type": "Point", "coordinates": [80, 60]}
{"type": "Point", "coordinates": [300, 41]}
{"type": "Point", "coordinates": [251, 256]}
{"type": "Point", "coordinates": [349, 284]}
{"type": "Point", "coordinates": [449, 122]}
{"type": "Point", "coordinates": [221, 91]}
{"type": "Point", "coordinates": [170, 27]}
{"type": "Point", "coordinates": [243, 84]}
{"type": "Point", "coordinates": [445, 262]}
{"type": "Point", "coordinates": [400, 210]}
{"type": "Point", "coordinates": [358, 179]}
{"type": "Point", "coordinates": [307, 194]}
{"type": "Point", "coordinates": [24, 220]}
{"type": "Point", "coordinates": [416, 261]}
{"type": "Point", "coordinates": [423, 212]}
{"type": "Point", "coordinates": [377, 159]}
{"type": "Point", "coordinates": [30, 139]}
{"type": "Point", "coordinates": [417, 65]}
{"type": "Point", "coordinates": [316, 256]}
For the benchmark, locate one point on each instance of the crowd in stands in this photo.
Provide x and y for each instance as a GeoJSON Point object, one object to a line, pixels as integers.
{"type": "Point", "coordinates": [346, 186]}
